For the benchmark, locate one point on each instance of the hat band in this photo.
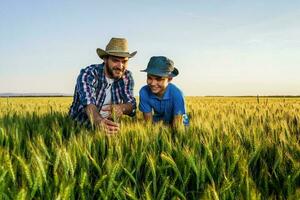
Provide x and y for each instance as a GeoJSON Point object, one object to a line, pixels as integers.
{"type": "Point", "coordinates": [116, 51]}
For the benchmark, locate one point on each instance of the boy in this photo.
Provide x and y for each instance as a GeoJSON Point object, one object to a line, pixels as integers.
{"type": "Point", "coordinates": [161, 96]}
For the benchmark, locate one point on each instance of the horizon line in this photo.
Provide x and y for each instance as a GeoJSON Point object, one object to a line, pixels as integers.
{"type": "Point", "coordinates": [30, 94]}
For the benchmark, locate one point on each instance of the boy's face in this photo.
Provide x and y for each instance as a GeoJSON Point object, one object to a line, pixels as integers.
{"type": "Point", "coordinates": [157, 84]}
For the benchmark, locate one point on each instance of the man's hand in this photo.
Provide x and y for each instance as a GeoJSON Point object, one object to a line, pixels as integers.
{"type": "Point", "coordinates": [107, 125]}
{"type": "Point", "coordinates": [115, 110]}
{"type": "Point", "coordinates": [101, 123]}
{"type": "Point", "coordinates": [118, 110]}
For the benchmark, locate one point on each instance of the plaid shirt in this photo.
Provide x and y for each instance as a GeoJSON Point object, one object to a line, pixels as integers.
{"type": "Point", "coordinates": [90, 89]}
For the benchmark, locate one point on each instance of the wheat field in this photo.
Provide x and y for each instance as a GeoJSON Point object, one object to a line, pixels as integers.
{"type": "Point", "coordinates": [234, 148]}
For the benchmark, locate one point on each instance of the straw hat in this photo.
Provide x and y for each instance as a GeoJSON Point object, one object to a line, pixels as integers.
{"type": "Point", "coordinates": [116, 47]}
{"type": "Point", "coordinates": [161, 66]}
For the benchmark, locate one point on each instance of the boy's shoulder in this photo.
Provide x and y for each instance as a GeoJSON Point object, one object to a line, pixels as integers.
{"type": "Point", "coordinates": [174, 90]}
{"type": "Point", "coordinates": [145, 90]}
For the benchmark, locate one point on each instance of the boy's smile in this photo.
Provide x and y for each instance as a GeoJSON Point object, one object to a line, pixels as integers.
{"type": "Point", "coordinates": [157, 84]}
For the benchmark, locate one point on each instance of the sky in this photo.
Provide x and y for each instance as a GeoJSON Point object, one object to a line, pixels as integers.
{"type": "Point", "coordinates": [220, 47]}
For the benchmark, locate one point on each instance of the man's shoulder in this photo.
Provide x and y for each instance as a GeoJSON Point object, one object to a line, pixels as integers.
{"type": "Point", "coordinates": [127, 77]}
{"type": "Point", "coordinates": [93, 67]}
{"type": "Point", "coordinates": [127, 73]}
{"type": "Point", "coordinates": [94, 70]}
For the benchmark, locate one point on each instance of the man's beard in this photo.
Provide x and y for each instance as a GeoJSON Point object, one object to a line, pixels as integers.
{"type": "Point", "coordinates": [110, 72]}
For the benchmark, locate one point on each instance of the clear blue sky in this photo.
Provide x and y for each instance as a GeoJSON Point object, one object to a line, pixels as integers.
{"type": "Point", "coordinates": [221, 47]}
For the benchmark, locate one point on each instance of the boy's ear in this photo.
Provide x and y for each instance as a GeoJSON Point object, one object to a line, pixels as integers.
{"type": "Point", "coordinates": [170, 79]}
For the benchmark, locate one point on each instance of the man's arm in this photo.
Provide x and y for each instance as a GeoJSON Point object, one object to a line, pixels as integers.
{"type": "Point", "coordinates": [120, 109]}
{"type": "Point", "coordinates": [85, 86]}
{"type": "Point", "coordinates": [117, 110]}
{"type": "Point", "coordinates": [129, 107]}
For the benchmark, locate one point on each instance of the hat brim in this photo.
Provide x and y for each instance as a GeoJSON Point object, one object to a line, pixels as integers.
{"type": "Point", "coordinates": [101, 53]}
{"type": "Point", "coordinates": [174, 73]}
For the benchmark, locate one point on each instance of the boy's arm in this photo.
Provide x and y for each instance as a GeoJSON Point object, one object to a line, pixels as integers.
{"type": "Point", "coordinates": [144, 105]}
{"type": "Point", "coordinates": [177, 121]}
{"type": "Point", "coordinates": [148, 117]}
{"type": "Point", "coordinates": [179, 110]}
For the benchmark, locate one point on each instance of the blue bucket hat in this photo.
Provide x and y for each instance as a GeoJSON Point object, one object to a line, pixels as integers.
{"type": "Point", "coordinates": [161, 66]}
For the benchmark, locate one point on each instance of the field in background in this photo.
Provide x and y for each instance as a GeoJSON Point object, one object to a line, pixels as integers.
{"type": "Point", "coordinates": [235, 148]}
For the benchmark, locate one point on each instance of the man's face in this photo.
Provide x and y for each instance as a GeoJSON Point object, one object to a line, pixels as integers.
{"type": "Point", "coordinates": [115, 66]}
{"type": "Point", "coordinates": [157, 84]}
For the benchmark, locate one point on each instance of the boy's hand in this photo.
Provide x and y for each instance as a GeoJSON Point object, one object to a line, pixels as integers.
{"type": "Point", "coordinates": [177, 122]}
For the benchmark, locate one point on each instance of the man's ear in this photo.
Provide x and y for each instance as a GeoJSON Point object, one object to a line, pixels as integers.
{"type": "Point", "coordinates": [105, 59]}
{"type": "Point", "coordinates": [170, 79]}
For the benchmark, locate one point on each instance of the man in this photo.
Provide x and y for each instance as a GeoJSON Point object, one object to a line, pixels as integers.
{"type": "Point", "coordinates": [105, 91]}
{"type": "Point", "coordinates": [161, 96]}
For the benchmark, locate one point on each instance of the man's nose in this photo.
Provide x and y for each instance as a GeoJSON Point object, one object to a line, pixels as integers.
{"type": "Point", "coordinates": [120, 65]}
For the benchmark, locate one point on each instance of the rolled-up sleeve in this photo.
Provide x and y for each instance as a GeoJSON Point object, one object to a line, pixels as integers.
{"type": "Point", "coordinates": [86, 87]}
{"type": "Point", "coordinates": [128, 96]}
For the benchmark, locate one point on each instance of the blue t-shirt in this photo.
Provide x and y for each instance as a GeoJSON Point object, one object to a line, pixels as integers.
{"type": "Point", "coordinates": [165, 108]}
